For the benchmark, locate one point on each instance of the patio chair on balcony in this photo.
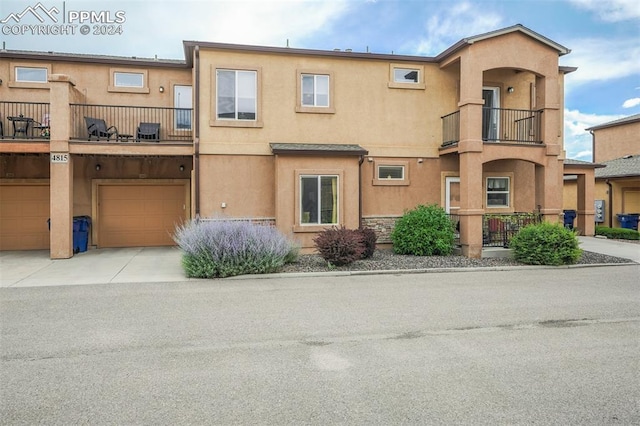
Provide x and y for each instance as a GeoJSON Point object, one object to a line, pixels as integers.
{"type": "Point", "coordinates": [148, 132]}
{"type": "Point", "coordinates": [97, 128]}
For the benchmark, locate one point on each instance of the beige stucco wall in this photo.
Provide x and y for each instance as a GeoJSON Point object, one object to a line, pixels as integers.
{"type": "Point", "coordinates": [616, 142]}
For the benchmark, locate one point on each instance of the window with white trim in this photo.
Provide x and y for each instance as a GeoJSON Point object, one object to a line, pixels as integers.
{"type": "Point", "coordinates": [391, 172]}
{"type": "Point", "coordinates": [236, 94]}
{"type": "Point", "coordinates": [128, 79]}
{"type": "Point", "coordinates": [498, 192]}
{"type": "Point", "coordinates": [406, 75]}
{"type": "Point", "coordinates": [31, 75]}
{"type": "Point", "coordinates": [318, 199]}
{"type": "Point", "coordinates": [315, 90]}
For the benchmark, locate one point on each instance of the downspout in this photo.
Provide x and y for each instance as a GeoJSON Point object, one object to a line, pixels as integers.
{"type": "Point", "coordinates": [610, 203]}
{"type": "Point", "coordinates": [593, 146]}
{"type": "Point", "coordinates": [360, 190]}
{"type": "Point", "coordinates": [196, 141]}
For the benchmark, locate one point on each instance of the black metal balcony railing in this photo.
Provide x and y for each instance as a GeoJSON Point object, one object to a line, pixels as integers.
{"type": "Point", "coordinates": [131, 123]}
{"type": "Point", "coordinates": [498, 125]}
{"type": "Point", "coordinates": [24, 120]}
{"type": "Point", "coordinates": [499, 229]}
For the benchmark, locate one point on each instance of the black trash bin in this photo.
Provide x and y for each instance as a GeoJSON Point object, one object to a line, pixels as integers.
{"type": "Point", "coordinates": [569, 217]}
{"type": "Point", "coordinates": [629, 221]}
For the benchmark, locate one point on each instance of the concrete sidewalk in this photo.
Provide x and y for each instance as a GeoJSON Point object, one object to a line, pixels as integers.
{"type": "Point", "coordinates": [160, 264]}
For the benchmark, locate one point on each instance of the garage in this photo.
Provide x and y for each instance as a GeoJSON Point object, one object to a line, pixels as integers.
{"type": "Point", "coordinates": [139, 215]}
{"type": "Point", "coordinates": [24, 210]}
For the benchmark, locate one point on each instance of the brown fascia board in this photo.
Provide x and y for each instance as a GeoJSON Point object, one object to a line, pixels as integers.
{"type": "Point", "coordinates": [189, 46]}
{"type": "Point", "coordinates": [95, 59]}
{"type": "Point", "coordinates": [567, 70]}
{"type": "Point", "coordinates": [518, 27]}
{"type": "Point", "coordinates": [620, 122]}
{"type": "Point", "coordinates": [584, 165]}
{"type": "Point", "coordinates": [317, 149]}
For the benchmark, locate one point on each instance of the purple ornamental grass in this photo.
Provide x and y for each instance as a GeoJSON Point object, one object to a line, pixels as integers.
{"type": "Point", "coordinates": [225, 248]}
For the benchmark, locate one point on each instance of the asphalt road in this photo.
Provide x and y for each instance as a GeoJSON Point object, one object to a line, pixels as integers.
{"type": "Point", "coordinates": [550, 346]}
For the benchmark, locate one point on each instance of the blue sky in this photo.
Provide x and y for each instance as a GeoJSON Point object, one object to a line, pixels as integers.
{"type": "Point", "coordinates": [604, 36]}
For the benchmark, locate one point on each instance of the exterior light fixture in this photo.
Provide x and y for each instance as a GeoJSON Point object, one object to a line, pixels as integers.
{"type": "Point", "coordinates": [161, 89]}
{"type": "Point", "coordinates": [510, 89]}
{"type": "Point", "coordinates": [98, 167]}
{"type": "Point", "coordinates": [181, 168]}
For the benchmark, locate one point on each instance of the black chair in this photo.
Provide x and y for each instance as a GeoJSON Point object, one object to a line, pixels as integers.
{"type": "Point", "coordinates": [148, 132]}
{"type": "Point", "coordinates": [97, 128]}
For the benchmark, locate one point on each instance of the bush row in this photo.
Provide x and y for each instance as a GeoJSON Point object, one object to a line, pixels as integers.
{"type": "Point", "coordinates": [618, 233]}
{"type": "Point", "coordinates": [424, 231]}
{"type": "Point", "coordinates": [546, 244]}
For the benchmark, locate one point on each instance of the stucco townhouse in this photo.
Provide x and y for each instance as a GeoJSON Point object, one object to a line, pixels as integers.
{"type": "Point", "coordinates": [295, 138]}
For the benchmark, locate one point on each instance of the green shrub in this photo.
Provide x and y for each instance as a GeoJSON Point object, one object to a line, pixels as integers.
{"type": "Point", "coordinates": [618, 233]}
{"type": "Point", "coordinates": [339, 246]}
{"type": "Point", "coordinates": [225, 248]}
{"type": "Point", "coordinates": [546, 244]}
{"type": "Point", "coordinates": [424, 231]}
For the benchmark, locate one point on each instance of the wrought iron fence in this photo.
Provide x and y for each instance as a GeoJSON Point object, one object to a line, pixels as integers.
{"type": "Point", "coordinates": [499, 229]}
{"type": "Point", "coordinates": [131, 123]}
{"type": "Point", "coordinates": [24, 120]}
{"type": "Point", "coordinates": [498, 125]}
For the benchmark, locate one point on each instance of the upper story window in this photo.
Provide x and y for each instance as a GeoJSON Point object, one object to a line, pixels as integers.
{"type": "Point", "coordinates": [391, 173]}
{"type": "Point", "coordinates": [31, 75]}
{"type": "Point", "coordinates": [128, 79]}
{"type": "Point", "coordinates": [315, 90]}
{"type": "Point", "coordinates": [402, 76]}
{"type": "Point", "coordinates": [498, 192]}
{"type": "Point", "coordinates": [237, 94]}
{"type": "Point", "coordinates": [406, 75]}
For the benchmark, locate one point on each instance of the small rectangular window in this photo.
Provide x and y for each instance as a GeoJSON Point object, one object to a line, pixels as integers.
{"type": "Point", "coordinates": [31, 75]}
{"type": "Point", "coordinates": [498, 192]}
{"type": "Point", "coordinates": [391, 172]}
{"type": "Point", "coordinates": [128, 79]}
{"type": "Point", "coordinates": [315, 90]}
{"type": "Point", "coordinates": [319, 200]}
{"type": "Point", "coordinates": [406, 75]}
{"type": "Point", "coordinates": [236, 94]}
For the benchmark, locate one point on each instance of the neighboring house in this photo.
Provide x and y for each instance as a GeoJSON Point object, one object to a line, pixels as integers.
{"type": "Point", "coordinates": [301, 139]}
{"type": "Point", "coordinates": [616, 145]}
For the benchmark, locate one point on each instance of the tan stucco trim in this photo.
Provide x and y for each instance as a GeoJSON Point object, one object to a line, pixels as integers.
{"type": "Point", "coordinates": [510, 208]}
{"type": "Point", "coordinates": [12, 83]}
{"type": "Point", "coordinates": [331, 109]}
{"type": "Point", "coordinates": [297, 225]}
{"type": "Point", "coordinates": [213, 119]}
{"type": "Point", "coordinates": [392, 84]}
{"type": "Point", "coordinates": [119, 89]}
{"type": "Point", "coordinates": [406, 181]}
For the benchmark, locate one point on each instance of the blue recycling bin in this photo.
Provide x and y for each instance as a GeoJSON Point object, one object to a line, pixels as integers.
{"type": "Point", "coordinates": [569, 217]}
{"type": "Point", "coordinates": [81, 225]}
{"type": "Point", "coordinates": [629, 221]}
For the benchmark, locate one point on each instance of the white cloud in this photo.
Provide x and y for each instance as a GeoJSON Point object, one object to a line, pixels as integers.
{"type": "Point", "coordinates": [602, 59]}
{"type": "Point", "coordinates": [577, 140]}
{"type": "Point", "coordinates": [611, 10]}
{"type": "Point", "coordinates": [630, 103]}
{"type": "Point", "coordinates": [256, 22]}
{"type": "Point", "coordinates": [453, 24]}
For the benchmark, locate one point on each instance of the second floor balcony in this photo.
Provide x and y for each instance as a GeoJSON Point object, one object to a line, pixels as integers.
{"type": "Point", "coordinates": [142, 124]}
{"type": "Point", "coordinates": [498, 125]}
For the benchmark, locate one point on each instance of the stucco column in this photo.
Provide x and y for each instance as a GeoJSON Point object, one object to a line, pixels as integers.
{"type": "Point", "coordinates": [470, 149]}
{"type": "Point", "coordinates": [61, 165]}
{"type": "Point", "coordinates": [548, 181]}
{"type": "Point", "coordinates": [586, 212]}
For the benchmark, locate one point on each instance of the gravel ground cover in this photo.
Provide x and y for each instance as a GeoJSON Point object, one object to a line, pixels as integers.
{"type": "Point", "coordinates": [386, 260]}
